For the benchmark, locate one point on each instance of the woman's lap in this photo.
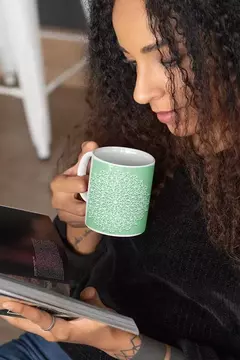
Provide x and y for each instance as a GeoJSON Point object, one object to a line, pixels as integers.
{"type": "Point", "coordinates": [32, 347]}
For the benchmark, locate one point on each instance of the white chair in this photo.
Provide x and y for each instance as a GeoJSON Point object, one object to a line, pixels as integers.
{"type": "Point", "coordinates": [20, 56]}
{"type": "Point", "coordinates": [85, 7]}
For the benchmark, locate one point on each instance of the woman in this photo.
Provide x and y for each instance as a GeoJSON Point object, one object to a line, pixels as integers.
{"type": "Point", "coordinates": [180, 280]}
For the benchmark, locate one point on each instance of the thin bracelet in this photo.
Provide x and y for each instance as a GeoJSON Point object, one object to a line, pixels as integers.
{"type": "Point", "coordinates": [153, 350]}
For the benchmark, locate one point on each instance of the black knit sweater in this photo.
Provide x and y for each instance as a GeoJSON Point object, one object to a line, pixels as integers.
{"type": "Point", "coordinates": [179, 289]}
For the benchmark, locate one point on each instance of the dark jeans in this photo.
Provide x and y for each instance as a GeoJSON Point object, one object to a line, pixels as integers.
{"type": "Point", "coordinates": [32, 347]}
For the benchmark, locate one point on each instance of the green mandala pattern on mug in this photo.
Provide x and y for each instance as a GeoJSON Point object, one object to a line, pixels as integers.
{"type": "Point", "coordinates": [128, 206]}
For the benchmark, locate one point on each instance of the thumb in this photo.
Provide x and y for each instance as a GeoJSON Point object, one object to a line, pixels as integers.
{"type": "Point", "coordinates": [90, 296]}
{"type": "Point", "coordinates": [72, 171]}
{"type": "Point", "coordinates": [86, 146]}
{"type": "Point", "coordinates": [89, 146]}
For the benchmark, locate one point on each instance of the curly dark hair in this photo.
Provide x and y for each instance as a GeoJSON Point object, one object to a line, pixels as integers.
{"type": "Point", "coordinates": [211, 32]}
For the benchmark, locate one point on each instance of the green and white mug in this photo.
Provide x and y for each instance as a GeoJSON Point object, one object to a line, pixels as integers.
{"type": "Point", "coordinates": [119, 191]}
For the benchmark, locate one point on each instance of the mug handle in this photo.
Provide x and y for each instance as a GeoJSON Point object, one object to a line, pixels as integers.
{"type": "Point", "coordinates": [82, 170]}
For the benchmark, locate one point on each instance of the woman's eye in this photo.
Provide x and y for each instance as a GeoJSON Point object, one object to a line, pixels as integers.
{"type": "Point", "coordinates": [170, 64]}
{"type": "Point", "coordinates": [132, 63]}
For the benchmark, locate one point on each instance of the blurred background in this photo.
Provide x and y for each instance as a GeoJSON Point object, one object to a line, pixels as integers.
{"type": "Point", "coordinates": [43, 83]}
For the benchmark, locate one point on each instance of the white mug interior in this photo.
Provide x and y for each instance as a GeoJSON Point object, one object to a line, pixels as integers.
{"type": "Point", "coordinates": [122, 156]}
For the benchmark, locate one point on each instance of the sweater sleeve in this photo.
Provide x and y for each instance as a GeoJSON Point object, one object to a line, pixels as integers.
{"type": "Point", "coordinates": [82, 265]}
{"type": "Point", "coordinates": [195, 351]}
{"type": "Point", "coordinates": [154, 350]}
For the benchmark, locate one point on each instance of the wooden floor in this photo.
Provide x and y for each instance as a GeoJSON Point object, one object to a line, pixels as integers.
{"type": "Point", "coordinates": [24, 180]}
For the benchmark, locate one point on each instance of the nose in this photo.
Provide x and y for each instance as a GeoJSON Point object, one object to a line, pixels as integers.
{"type": "Point", "coordinates": [148, 87]}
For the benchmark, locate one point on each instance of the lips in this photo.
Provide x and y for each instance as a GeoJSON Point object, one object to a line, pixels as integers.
{"type": "Point", "coordinates": [166, 117]}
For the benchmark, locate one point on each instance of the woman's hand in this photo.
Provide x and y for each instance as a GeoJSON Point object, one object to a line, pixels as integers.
{"type": "Point", "coordinates": [65, 192]}
{"type": "Point", "coordinates": [71, 209]}
{"type": "Point", "coordinates": [116, 343]}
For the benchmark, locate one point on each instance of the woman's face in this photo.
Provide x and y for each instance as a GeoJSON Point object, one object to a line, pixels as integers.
{"type": "Point", "coordinates": [152, 85]}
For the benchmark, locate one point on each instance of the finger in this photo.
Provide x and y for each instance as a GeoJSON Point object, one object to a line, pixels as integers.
{"type": "Point", "coordinates": [23, 324]}
{"type": "Point", "coordinates": [72, 171]}
{"type": "Point", "coordinates": [69, 184]}
{"type": "Point", "coordinates": [89, 146]}
{"type": "Point", "coordinates": [86, 147]}
{"type": "Point", "coordinates": [72, 220]}
{"type": "Point", "coordinates": [4, 299]}
{"type": "Point", "coordinates": [67, 202]}
{"type": "Point", "coordinates": [90, 296]}
{"type": "Point", "coordinates": [29, 312]}
{"type": "Point", "coordinates": [36, 321]}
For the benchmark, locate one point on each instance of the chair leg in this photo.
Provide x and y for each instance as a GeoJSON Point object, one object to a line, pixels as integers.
{"type": "Point", "coordinates": [23, 28]}
{"type": "Point", "coordinates": [85, 7]}
{"type": "Point", "coordinates": [6, 56]}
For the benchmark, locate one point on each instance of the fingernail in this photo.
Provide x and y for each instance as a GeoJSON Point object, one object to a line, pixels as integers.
{"type": "Point", "coordinates": [8, 306]}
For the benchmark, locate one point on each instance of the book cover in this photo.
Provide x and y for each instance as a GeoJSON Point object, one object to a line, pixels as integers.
{"type": "Point", "coordinates": [35, 269]}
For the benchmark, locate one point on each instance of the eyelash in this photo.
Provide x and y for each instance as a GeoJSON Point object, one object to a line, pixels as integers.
{"type": "Point", "coordinates": [170, 64]}
{"type": "Point", "coordinates": [133, 64]}
{"type": "Point", "coordinates": [167, 64]}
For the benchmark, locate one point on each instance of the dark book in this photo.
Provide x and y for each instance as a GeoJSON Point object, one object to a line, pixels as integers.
{"type": "Point", "coordinates": [35, 269]}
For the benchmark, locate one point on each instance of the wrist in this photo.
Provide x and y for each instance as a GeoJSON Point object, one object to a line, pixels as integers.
{"type": "Point", "coordinates": [132, 347]}
{"type": "Point", "coordinates": [83, 240]}
{"type": "Point", "coordinates": [124, 345]}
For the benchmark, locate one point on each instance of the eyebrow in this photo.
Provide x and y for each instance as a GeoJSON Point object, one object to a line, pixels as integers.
{"type": "Point", "coordinates": [148, 48]}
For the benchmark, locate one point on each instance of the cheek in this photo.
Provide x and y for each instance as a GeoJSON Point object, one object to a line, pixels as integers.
{"type": "Point", "coordinates": [187, 123]}
{"type": "Point", "coordinates": [183, 78]}
{"type": "Point", "coordinates": [188, 117]}
{"type": "Point", "coordinates": [190, 128]}
{"type": "Point", "coordinates": [176, 87]}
